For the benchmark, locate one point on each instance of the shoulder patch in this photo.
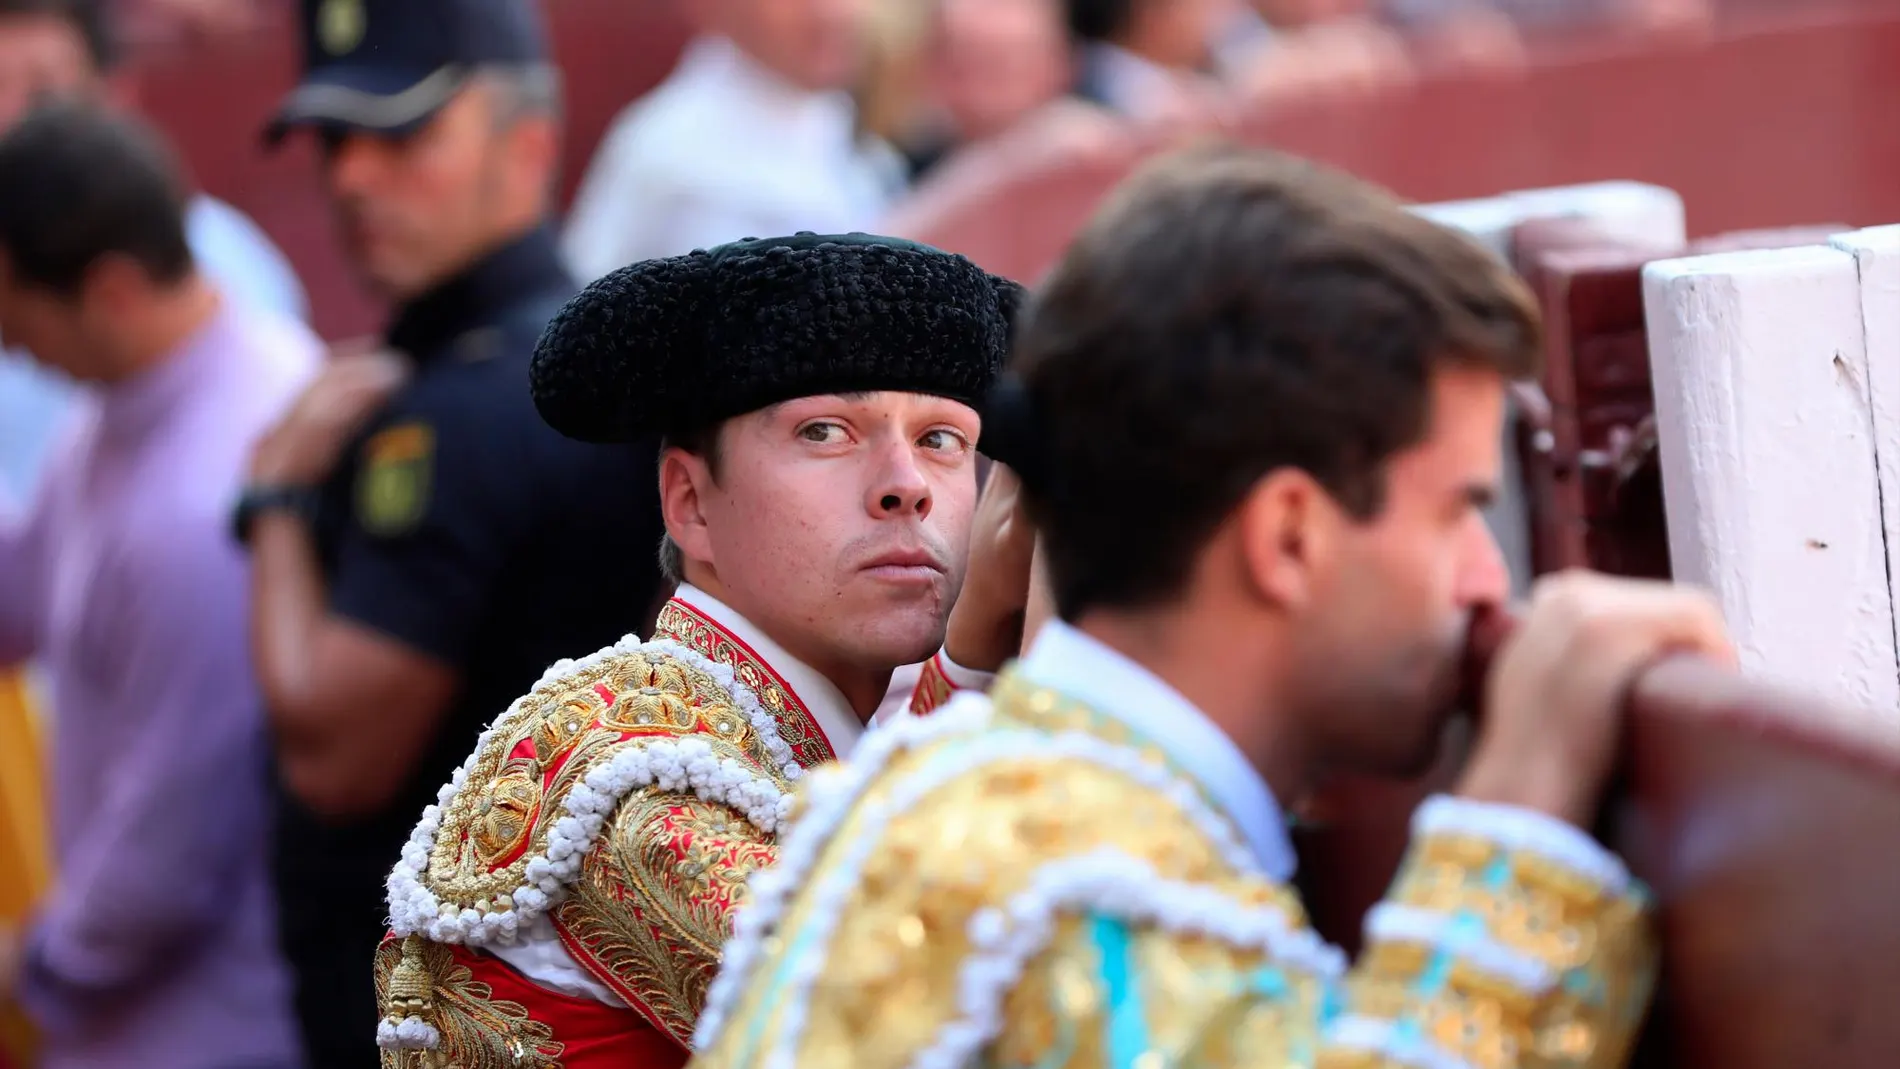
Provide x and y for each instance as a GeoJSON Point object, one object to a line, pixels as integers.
{"type": "Point", "coordinates": [340, 26]}
{"type": "Point", "coordinates": [392, 487]}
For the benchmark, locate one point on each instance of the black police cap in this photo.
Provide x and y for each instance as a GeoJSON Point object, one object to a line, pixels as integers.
{"type": "Point", "coordinates": [387, 66]}
{"type": "Point", "coordinates": [676, 345]}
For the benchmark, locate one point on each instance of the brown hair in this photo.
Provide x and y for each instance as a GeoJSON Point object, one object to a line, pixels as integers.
{"type": "Point", "coordinates": [1229, 312]}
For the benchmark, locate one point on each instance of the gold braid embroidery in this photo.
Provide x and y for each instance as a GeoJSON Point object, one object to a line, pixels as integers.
{"type": "Point", "coordinates": [690, 628]}
{"type": "Point", "coordinates": [656, 898]}
{"type": "Point", "coordinates": [933, 690]}
{"type": "Point", "coordinates": [478, 1031]}
{"type": "Point", "coordinates": [653, 903]}
{"type": "Point", "coordinates": [521, 777]}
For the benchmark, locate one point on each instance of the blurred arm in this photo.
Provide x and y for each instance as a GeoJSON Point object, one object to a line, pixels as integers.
{"type": "Point", "coordinates": [351, 707]}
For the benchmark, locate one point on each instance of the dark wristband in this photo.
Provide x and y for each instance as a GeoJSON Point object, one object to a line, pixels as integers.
{"type": "Point", "coordinates": [256, 500]}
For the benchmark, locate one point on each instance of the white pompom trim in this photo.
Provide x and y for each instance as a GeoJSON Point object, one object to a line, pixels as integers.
{"type": "Point", "coordinates": [1380, 1037]}
{"type": "Point", "coordinates": [831, 891]}
{"type": "Point", "coordinates": [1112, 883]}
{"type": "Point", "coordinates": [1393, 923]}
{"type": "Point", "coordinates": [1526, 831]}
{"type": "Point", "coordinates": [670, 764]}
{"type": "Point", "coordinates": [408, 1033]}
{"type": "Point", "coordinates": [828, 793]}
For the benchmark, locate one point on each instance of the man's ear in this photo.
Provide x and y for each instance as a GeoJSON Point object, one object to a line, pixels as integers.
{"type": "Point", "coordinates": [1289, 530]}
{"type": "Point", "coordinates": [534, 148]}
{"type": "Point", "coordinates": [684, 480]}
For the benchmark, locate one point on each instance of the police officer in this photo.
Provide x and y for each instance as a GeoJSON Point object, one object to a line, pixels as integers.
{"type": "Point", "coordinates": [423, 545]}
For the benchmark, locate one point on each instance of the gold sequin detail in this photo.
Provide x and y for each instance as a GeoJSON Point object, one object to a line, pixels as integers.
{"type": "Point", "coordinates": [415, 977]}
{"type": "Point", "coordinates": [891, 980]}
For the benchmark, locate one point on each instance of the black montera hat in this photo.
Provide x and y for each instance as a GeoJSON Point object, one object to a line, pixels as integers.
{"type": "Point", "coordinates": [675, 345]}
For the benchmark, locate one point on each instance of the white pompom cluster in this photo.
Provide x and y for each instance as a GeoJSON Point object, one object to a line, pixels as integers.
{"type": "Point", "coordinates": [1383, 1039]}
{"type": "Point", "coordinates": [1524, 831]}
{"type": "Point", "coordinates": [831, 891]}
{"type": "Point", "coordinates": [1114, 884]}
{"type": "Point", "coordinates": [409, 1033]}
{"type": "Point", "coordinates": [669, 764]}
{"type": "Point", "coordinates": [828, 793]}
{"type": "Point", "coordinates": [1390, 922]}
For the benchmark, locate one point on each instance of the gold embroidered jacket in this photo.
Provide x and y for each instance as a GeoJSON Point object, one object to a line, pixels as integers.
{"type": "Point", "coordinates": [624, 801]}
{"type": "Point", "coordinates": [1028, 883]}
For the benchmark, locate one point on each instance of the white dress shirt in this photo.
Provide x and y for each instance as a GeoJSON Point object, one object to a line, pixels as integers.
{"type": "Point", "coordinates": [1065, 659]}
{"type": "Point", "coordinates": [725, 149]}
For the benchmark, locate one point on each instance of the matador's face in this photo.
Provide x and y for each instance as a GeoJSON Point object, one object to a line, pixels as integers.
{"type": "Point", "coordinates": [840, 524]}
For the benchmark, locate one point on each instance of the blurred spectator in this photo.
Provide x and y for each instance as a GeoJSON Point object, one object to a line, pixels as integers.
{"type": "Point", "coordinates": [156, 947]}
{"type": "Point", "coordinates": [1642, 16]}
{"type": "Point", "coordinates": [50, 47]}
{"type": "Point", "coordinates": [988, 65]}
{"type": "Point", "coordinates": [423, 545]}
{"type": "Point", "coordinates": [171, 21]}
{"type": "Point", "coordinates": [1148, 59]}
{"type": "Point", "coordinates": [1292, 51]}
{"type": "Point", "coordinates": [889, 91]}
{"type": "Point", "coordinates": [754, 133]}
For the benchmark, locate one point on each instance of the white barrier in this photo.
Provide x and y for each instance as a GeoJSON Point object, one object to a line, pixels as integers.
{"type": "Point", "coordinates": [1772, 437]}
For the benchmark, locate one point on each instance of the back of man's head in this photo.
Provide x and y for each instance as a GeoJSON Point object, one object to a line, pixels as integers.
{"type": "Point", "coordinates": [1230, 313]}
{"type": "Point", "coordinates": [80, 184]}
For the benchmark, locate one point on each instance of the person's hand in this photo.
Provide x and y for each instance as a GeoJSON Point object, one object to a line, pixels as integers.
{"type": "Point", "coordinates": [986, 624]}
{"type": "Point", "coordinates": [1554, 699]}
{"type": "Point", "coordinates": [304, 446]}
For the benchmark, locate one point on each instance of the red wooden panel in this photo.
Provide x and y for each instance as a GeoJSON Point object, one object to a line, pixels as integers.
{"type": "Point", "coordinates": [1591, 295]}
{"type": "Point", "coordinates": [1762, 820]}
{"type": "Point", "coordinates": [1782, 941]}
{"type": "Point", "coordinates": [1594, 501]}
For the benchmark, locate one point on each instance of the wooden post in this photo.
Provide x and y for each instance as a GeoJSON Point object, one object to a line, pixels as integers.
{"type": "Point", "coordinates": [1771, 487]}
{"type": "Point", "coordinates": [1876, 255]}
{"type": "Point", "coordinates": [1636, 210]}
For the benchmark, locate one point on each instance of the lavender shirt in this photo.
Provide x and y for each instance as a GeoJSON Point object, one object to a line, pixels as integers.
{"type": "Point", "coordinates": [157, 946]}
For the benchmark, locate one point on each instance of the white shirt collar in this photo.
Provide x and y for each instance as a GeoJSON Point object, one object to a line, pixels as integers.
{"type": "Point", "coordinates": [1111, 684]}
{"type": "Point", "coordinates": [821, 696]}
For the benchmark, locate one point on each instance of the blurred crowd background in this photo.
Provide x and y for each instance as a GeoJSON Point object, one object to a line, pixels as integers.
{"type": "Point", "coordinates": [985, 126]}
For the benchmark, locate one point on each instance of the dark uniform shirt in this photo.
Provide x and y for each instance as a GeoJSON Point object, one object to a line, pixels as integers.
{"type": "Point", "coordinates": [461, 526]}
